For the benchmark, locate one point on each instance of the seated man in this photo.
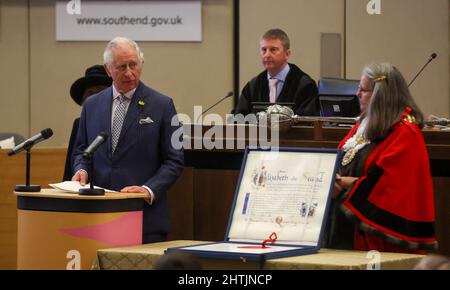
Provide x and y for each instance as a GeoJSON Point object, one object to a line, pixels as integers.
{"type": "Point", "coordinates": [281, 82]}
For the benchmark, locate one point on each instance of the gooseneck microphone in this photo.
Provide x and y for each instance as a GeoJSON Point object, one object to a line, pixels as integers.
{"type": "Point", "coordinates": [89, 155]}
{"type": "Point", "coordinates": [27, 144]}
{"type": "Point", "coordinates": [99, 140]}
{"type": "Point", "coordinates": [433, 56]}
{"type": "Point", "coordinates": [230, 94]}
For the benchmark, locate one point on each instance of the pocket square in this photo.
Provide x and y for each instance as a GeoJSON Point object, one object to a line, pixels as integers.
{"type": "Point", "coordinates": [145, 121]}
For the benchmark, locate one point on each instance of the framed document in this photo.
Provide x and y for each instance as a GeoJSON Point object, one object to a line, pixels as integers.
{"type": "Point", "coordinates": [280, 206]}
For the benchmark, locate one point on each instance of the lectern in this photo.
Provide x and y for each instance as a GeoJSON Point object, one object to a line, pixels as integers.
{"type": "Point", "coordinates": [58, 230]}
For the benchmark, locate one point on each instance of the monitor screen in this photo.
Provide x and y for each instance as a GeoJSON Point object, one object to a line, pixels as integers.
{"type": "Point", "coordinates": [339, 106]}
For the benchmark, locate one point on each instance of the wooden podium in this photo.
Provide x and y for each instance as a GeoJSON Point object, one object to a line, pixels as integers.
{"type": "Point", "coordinates": [58, 230]}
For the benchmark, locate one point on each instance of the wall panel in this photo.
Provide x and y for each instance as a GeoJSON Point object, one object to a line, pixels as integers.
{"type": "Point", "coordinates": [405, 34]}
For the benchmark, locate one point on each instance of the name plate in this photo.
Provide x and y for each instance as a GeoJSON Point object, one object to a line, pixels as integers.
{"type": "Point", "coordinates": [138, 20]}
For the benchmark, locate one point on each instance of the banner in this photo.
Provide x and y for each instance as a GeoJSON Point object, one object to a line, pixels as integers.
{"type": "Point", "coordinates": [80, 20]}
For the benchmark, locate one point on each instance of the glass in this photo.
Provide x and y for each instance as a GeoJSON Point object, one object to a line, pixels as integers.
{"type": "Point", "coordinates": [363, 90]}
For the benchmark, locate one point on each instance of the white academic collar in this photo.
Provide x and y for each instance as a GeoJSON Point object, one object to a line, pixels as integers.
{"type": "Point", "coordinates": [358, 136]}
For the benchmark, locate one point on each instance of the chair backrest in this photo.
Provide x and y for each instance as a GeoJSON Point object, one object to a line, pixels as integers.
{"type": "Point", "coordinates": [17, 137]}
{"type": "Point", "coordinates": [337, 97]}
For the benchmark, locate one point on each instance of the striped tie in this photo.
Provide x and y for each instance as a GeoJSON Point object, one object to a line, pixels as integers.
{"type": "Point", "coordinates": [119, 116]}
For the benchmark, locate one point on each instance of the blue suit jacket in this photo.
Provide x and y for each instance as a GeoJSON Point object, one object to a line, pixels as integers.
{"type": "Point", "coordinates": [144, 154]}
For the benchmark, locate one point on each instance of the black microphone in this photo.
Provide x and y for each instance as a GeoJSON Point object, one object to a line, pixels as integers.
{"type": "Point", "coordinates": [27, 144]}
{"type": "Point", "coordinates": [230, 94]}
{"type": "Point", "coordinates": [433, 56]}
{"type": "Point", "coordinates": [99, 140]}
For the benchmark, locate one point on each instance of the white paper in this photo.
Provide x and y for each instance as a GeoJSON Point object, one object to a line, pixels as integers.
{"type": "Point", "coordinates": [74, 186]}
{"type": "Point", "coordinates": [285, 193]}
{"type": "Point", "coordinates": [236, 248]}
{"type": "Point", "coordinates": [7, 143]}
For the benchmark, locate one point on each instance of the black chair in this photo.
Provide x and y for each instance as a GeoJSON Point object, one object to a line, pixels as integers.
{"type": "Point", "coordinates": [337, 97]}
{"type": "Point", "coordinates": [17, 137]}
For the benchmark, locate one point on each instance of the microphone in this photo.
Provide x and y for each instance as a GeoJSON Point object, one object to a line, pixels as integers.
{"type": "Point", "coordinates": [230, 94]}
{"type": "Point", "coordinates": [87, 154]}
{"type": "Point", "coordinates": [99, 140]}
{"type": "Point", "coordinates": [27, 144]}
{"type": "Point", "coordinates": [433, 56]}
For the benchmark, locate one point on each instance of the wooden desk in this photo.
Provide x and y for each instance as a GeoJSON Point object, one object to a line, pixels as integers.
{"type": "Point", "coordinates": [214, 176]}
{"type": "Point", "coordinates": [200, 201]}
{"type": "Point", "coordinates": [144, 257]}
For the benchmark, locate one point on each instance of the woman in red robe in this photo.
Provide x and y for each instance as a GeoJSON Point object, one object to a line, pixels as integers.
{"type": "Point", "coordinates": [383, 197]}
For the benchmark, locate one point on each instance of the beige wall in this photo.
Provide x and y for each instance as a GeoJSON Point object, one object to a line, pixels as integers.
{"type": "Point", "coordinates": [405, 34]}
{"type": "Point", "coordinates": [36, 71]}
{"type": "Point", "coordinates": [38, 76]}
{"type": "Point", "coordinates": [14, 68]}
{"type": "Point", "coordinates": [303, 21]}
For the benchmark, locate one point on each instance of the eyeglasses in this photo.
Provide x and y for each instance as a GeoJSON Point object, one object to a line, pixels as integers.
{"type": "Point", "coordinates": [362, 90]}
{"type": "Point", "coordinates": [123, 67]}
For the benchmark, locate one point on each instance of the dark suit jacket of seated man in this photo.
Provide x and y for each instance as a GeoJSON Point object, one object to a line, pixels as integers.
{"type": "Point", "coordinates": [144, 156]}
{"type": "Point", "coordinates": [299, 88]}
{"type": "Point", "coordinates": [288, 83]}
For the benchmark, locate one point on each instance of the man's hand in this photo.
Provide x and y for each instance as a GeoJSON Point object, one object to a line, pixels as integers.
{"type": "Point", "coordinates": [81, 176]}
{"type": "Point", "coordinates": [137, 189]}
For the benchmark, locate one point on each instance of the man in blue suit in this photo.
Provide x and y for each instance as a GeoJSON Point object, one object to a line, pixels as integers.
{"type": "Point", "coordinates": [139, 155]}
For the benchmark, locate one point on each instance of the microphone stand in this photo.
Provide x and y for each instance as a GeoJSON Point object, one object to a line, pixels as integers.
{"type": "Point", "coordinates": [433, 56]}
{"type": "Point", "coordinates": [91, 190]}
{"type": "Point", "coordinates": [227, 96]}
{"type": "Point", "coordinates": [27, 187]}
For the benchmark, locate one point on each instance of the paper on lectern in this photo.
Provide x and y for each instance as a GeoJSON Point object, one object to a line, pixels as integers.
{"type": "Point", "coordinates": [74, 186]}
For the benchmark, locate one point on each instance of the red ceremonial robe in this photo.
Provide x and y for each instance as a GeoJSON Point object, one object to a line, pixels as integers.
{"type": "Point", "coordinates": [393, 201]}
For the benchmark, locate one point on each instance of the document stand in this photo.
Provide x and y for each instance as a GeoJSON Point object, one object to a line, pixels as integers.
{"type": "Point", "coordinates": [298, 182]}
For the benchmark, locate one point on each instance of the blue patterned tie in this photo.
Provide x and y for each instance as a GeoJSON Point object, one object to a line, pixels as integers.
{"type": "Point", "coordinates": [119, 116]}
